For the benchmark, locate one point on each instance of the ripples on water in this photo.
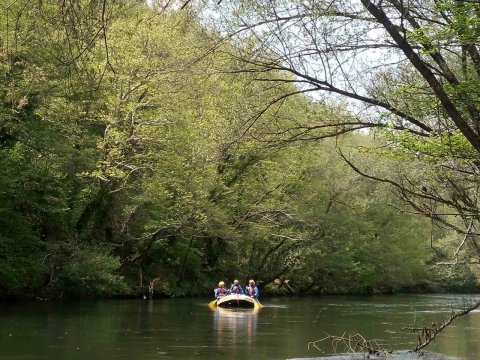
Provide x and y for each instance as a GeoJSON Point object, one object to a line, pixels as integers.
{"type": "Point", "coordinates": [187, 329]}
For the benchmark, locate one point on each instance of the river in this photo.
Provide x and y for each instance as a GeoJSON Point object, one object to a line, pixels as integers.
{"type": "Point", "coordinates": [187, 329]}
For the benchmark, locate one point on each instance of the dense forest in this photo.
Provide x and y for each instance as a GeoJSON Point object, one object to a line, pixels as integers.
{"type": "Point", "coordinates": [151, 148]}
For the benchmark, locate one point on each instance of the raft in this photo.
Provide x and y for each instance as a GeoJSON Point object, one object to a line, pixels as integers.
{"type": "Point", "coordinates": [236, 301]}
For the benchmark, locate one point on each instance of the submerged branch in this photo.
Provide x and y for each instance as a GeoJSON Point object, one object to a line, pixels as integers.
{"type": "Point", "coordinates": [425, 335]}
{"type": "Point", "coordinates": [353, 344]}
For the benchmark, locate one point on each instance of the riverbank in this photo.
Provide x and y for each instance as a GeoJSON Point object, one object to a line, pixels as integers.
{"type": "Point", "coordinates": [270, 291]}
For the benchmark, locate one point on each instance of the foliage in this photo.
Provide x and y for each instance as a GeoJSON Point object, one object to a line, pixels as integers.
{"type": "Point", "coordinates": [132, 162]}
{"type": "Point", "coordinates": [407, 72]}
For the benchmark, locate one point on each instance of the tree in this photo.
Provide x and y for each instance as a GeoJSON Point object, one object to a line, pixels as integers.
{"type": "Point", "coordinates": [137, 160]}
{"type": "Point", "coordinates": [407, 70]}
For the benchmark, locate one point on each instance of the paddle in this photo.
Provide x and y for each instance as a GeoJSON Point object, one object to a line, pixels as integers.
{"type": "Point", "coordinates": [212, 304]}
{"type": "Point", "coordinates": [256, 304]}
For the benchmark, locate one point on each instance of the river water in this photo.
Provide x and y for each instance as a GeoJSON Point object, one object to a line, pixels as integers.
{"type": "Point", "coordinates": [188, 329]}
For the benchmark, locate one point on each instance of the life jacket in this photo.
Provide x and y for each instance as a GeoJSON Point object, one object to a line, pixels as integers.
{"type": "Point", "coordinates": [235, 289]}
{"type": "Point", "coordinates": [251, 290]}
{"type": "Point", "coordinates": [222, 291]}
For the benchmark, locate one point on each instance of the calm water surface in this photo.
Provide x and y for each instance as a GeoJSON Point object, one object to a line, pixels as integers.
{"type": "Point", "coordinates": [187, 329]}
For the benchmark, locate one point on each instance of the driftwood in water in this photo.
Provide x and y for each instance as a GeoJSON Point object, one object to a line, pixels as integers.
{"type": "Point", "coordinates": [357, 344]}
{"type": "Point", "coordinates": [425, 335]}
{"type": "Point", "coordinates": [352, 344]}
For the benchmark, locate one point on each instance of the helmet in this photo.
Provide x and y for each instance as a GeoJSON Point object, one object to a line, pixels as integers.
{"type": "Point", "coordinates": [251, 281]}
{"type": "Point", "coordinates": [235, 281]}
{"type": "Point", "coordinates": [221, 283]}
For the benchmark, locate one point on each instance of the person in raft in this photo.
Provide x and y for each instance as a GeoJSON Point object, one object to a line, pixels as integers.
{"type": "Point", "coordinates": [236, 288]}
{"type": "Point", "coordinates": [252, 290]}
{"type": "Point", "coordinates": [220, 291]}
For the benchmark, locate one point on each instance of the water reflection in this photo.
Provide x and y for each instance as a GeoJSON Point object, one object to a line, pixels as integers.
{"type": "Point", "coordinates": [233, 327]}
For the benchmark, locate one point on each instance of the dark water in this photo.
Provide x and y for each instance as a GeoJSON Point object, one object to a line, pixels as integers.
{"type": "Point", "coordinates": [187, 329]}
